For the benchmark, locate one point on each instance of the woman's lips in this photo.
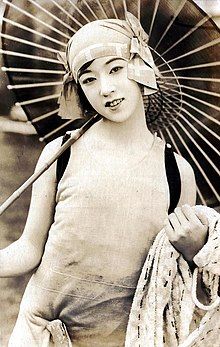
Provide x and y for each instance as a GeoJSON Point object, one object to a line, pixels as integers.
{"type": "Point", "coordinates": [113, 103]}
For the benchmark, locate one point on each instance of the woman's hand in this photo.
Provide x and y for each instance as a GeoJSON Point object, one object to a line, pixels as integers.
{"type": "Point", "coordinates": [187, 231]}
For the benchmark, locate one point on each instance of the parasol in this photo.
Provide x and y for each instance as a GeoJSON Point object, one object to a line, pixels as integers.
{"type": "Point", "coordinates": [185, 45]}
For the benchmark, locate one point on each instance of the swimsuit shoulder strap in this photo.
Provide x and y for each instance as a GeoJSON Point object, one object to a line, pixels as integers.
{"type": "Point", "coordinates": [173, 177]}
{"type": "Point", "coordinates": [63, 159]}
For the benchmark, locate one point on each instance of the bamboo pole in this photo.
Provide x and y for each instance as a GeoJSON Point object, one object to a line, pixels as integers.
{"type": "Point", "coordinates": [73, 138]}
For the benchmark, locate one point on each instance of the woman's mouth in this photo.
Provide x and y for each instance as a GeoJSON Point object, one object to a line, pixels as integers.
{"type": "Point", "coordinates": [113, 103]}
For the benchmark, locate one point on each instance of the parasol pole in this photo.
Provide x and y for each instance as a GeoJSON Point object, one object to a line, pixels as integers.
{"type": "Point", "coordinates": [73, 138]}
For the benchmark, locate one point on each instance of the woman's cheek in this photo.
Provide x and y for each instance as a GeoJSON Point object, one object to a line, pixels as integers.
{"type": "Point", "coordinates": [93, 99]}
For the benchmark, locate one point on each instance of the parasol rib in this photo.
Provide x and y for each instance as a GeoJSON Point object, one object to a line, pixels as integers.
{"type": "Point", "coordinates": [166, 110]}
{"type": "Point", "coordinates": [182, 3]}
{"type": "Point", "coordinates": [171, 70]}
{"type": "Point", "coordinates": [170, 98]}
{"type": "Point", "coordinates": [90, 9]}
{"type": "Point", "coordinates": [153, 17]}
{"type": "Point", "coordinates": [167, 107]}
{"type": "Point", "coordinates": [195, 130]}
{"type": "Point", "coordinates": [201, 196]}
{"type": "Point", "coordinates": [32, 101]}
{"type": "Point", "coordinates": [44, 116]}
{"type": "Point", "coordinates": [195, 89]}
{"type": "Point", "coordinates": [102, 9]}
{"type": "Point", "coordinates": [202, 79]}
{"type": "Point", "coordinates": [67, 14]}
{"type": "Point", "coordinates": [196, 163]}
{"type": "Point", "coordinates": [113, 9]}
{"type": "Point", "coordinates": [175, 111]}
{"type": "Point", "coordinates": [56, 130]}
{"type": "Point", "coordinates": [216, 63]}
{"type": "Point", "coordinates": [33, 85]}
{"type": "Point", "coordinates": [205, 115]}
{"type": "Point", "coordinates": [172, 141]}
{"type": "Point", "coordinates": [197, 145]}
{"type": "Point", "coordinates": [21, 26]}
{"type": "Point", "coordinates": [33, 2]}
{"type": "Point", "coordinates": [139, 9]}
{"type": "Point", "coordinates": [194, 98]}
{"type": "Point", "coordinates": [161, 135]}
{"type": "Point", "coordinates": [124, 5]}
{"type": "Point", "coordinates": [201, 101]}
{"type": "Point", "coordinates": [178, 151]}
{"type": "Point", "coordinates": [36, 19]}
{"type": "Point", "coordinates": [200, 48]}
{"type": "Point", "coordinates": [197, 120]}
{"type": "Point", "coordinates": [200, 23]}
{"type": "Point", "coordinates": [78, 10]}
{"type": "Point", "coordinates": [28, 43]}
{"type": "Point", "coordinates": [17, 69]}
{"type": "Point", "coordinates": [28, 56]}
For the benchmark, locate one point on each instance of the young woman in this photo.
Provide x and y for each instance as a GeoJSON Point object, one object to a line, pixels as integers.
{"type": "Point", "coordinates": [88, 237]}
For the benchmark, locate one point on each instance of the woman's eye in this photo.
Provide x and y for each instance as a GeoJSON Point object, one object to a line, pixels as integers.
{"type": "Point", "coordinates": [88, 80]}
{"type": "Point", "coordinates": [116, 69]}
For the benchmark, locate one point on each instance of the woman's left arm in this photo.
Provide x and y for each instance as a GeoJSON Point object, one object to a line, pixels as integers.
{"type": "Point", "coordinates": [188, 182]}
{"type": "Point", "coordinates": [186, 229]}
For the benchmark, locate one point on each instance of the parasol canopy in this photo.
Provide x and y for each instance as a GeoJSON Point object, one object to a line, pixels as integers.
{"type": "Point", "coordinates": [185, 45]}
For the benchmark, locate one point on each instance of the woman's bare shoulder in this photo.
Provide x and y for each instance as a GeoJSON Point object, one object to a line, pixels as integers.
{"type": "Point", "coordinates": [53, 145]}
{"type": "Point", "coordinates": [49, 150]}
{"type": "Point", "coordinates": [188, 181]}
{"type": "Point", "coordinates": [184, 167]}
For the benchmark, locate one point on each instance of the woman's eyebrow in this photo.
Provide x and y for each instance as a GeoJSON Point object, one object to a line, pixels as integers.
{"type": "Point", "coordinates": [113, 59]}
{"type": "Point", "coordinates": [106, 63]}
{"type": "Point", "coordinates": [83, 72]}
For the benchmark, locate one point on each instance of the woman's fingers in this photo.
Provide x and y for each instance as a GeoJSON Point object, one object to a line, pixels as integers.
{"type": "Point", "coordinates": [183, 220]}
{"type": "Point", "coordinates": [193, 216]}
{"type": "Point", "coordinates": [187, 230]}
{"type": "Point", "coordinates": [202, 217]}
{"type": "Point", "coordinates": [173, 227]}
{"type": "Point", "coordinates": [174, 221]}
{"type": "Point", "coordinates": [190, 214]}
{"type": "Point", "coordinates": [177, 224]}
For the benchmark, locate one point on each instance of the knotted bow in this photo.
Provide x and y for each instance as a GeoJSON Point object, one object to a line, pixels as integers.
{"type": "Point", "coordinates": [69, 103]}
{"type": "Point", "coordinates": [139, 41]}
{"type": "Point", "coordinates": [68, 76]}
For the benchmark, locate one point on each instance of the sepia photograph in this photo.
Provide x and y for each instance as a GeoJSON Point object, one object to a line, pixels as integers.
{"type": "Point", "coordinates": [109, 173]}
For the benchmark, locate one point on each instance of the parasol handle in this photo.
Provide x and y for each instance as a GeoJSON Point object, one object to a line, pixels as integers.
{"type": "Point", "coordinates": [73, 138]}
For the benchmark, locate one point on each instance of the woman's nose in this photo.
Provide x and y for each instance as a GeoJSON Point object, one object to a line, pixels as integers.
{"type": "Point", "coordinates": [106, 87]}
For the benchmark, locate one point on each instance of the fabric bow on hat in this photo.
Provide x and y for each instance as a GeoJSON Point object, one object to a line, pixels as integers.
{"type": "Point", "coordinates": [141, 66]}
{"type": "Point", "coordinates": [69, 103]}
{"type": "Point", "coordinates": [139, 42]}
{"type": "Point", "coordinates": [68, 77]}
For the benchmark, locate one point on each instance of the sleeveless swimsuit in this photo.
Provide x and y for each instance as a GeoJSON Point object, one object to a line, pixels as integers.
{"type": "Point", "coordinates": [104, 223]}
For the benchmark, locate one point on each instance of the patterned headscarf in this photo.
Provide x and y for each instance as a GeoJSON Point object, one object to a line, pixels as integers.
{"type": "Point", "coordinates": [108, 37]}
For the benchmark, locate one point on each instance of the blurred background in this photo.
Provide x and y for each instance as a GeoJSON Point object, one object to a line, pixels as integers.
{"type": "Point", "coordinates": [19, 150]}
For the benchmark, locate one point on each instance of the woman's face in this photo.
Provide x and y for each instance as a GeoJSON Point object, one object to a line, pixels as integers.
{"type": "Point", "coordinates": [109, 91]}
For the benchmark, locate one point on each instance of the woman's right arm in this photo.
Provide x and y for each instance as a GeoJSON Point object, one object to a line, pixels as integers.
{"type": "Point", "coordinates": [25, 254]}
